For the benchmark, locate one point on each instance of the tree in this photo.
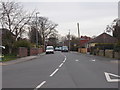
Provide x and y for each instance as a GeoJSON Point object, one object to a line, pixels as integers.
{"type": "Point", "coordinates": [44, 26]}
{"type": "Point", "coordinates": [32, 36]}
{"type": "Point", "coordinates": [53, 40]}
{"type": "Point", "coordinates": [114, 28]}
{"type": "Point", "coordinates": [13, 18]}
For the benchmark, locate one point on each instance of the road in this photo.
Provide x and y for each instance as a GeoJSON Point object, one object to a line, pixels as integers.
{"type": "Point", "coordinates": [62, 70]}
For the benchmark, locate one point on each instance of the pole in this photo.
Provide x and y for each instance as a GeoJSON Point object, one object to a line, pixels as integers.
{"type": "Point", "coordinates": [78, 33]}
{"type": "Point", "coordinates": [78, 30]}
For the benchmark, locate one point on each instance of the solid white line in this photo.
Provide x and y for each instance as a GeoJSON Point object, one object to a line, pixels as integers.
{"type": "Point", "coordinates": [39, 86]}
{"type": "Point", "coordinates": [54, 72]}
{"type": "Point", "coordinates": [61, 65]}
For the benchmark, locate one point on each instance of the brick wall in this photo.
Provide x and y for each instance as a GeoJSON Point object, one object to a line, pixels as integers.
{"type": "Point", "coordinates": [22, 52]}
{"type": "Point", "coordinates": [35, 51]}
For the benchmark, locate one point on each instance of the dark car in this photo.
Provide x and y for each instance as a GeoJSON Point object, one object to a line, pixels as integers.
{"type": "Point", "coordinates": [64, 49]}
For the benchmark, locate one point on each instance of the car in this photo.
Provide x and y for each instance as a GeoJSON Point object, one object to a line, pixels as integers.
{"type": "Point", "coordinates": [64, 49]}
{"type": "Point", "coordinates": [58, 49]}
{"type": "Point", "coordinates": [49, 49]}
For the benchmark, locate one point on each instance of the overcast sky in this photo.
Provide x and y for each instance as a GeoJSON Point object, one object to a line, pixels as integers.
{"type": "Point", "coordinates": [92, 16]}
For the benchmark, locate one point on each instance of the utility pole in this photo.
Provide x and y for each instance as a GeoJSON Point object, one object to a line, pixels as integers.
{"type": "Point", "coordinates": [69, 40]}
{"type": "Point", "coordinates": [36, 30]}
{"type": "Point", "coordinates": [78, 32]}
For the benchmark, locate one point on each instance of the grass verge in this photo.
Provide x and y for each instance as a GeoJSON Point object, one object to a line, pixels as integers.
{"type": "Point", "coordinates": [9, 57]}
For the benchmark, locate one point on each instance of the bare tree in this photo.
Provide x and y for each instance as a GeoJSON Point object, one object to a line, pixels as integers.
{"type": "Point", "coordinates": [13, 18]}
{"type": "Point", "coordinates": [45, 27]}
{"type": "Point", "coordinates": [114, 28]}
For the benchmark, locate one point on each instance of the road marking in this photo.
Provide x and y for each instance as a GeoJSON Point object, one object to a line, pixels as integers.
{"type": "Point", "coordinates": [61, 65]}
{"type": "Point", "coordinates": [107, 75]}
{"type": "Point", "coordinates": [93, 60]}
{"type": "Point", "coordinates": [76, 60]}
{"type": "Point", "coordinates": [39, 86]}
{"type": "Point", "coordinates": [54, 72]}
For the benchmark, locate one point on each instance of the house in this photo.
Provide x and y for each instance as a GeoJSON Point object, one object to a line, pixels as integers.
{"type": "Point", "coordinates": [84, 40]}
{"type": "Point", "coordinates": [103, 39]}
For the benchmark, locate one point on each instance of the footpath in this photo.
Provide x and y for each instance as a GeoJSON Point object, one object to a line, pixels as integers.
{"type": "Point", "coordinates": [23, 59]}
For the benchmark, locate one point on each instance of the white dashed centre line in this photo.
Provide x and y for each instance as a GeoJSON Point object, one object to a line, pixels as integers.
{"type": "Point", "coordinates": [39, 86]}
{"type": "Point", "coordinates": [61, 65]}
{"type": "Point", "coordinates": [54, 72]}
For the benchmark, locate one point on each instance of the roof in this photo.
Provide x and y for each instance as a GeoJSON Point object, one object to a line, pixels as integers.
{"type": "Point", "coordinates": [104, 38]}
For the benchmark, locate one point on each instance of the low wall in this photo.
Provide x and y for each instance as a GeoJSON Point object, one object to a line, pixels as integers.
{"type": "Point", "coordinates": [35, 51]}
{"type": "Point", "coordinates": [101, 52]}
{"type": "Point", "coordinates": [22, 52]}
{"type": "Point", "coordinates": [82, 50]}
{"type": "Point", "coordinates": [117, 55]}
{"type": "Point", "coordinates": [40, 50]}
{"type": "Point", "coordinates": [109, 53]}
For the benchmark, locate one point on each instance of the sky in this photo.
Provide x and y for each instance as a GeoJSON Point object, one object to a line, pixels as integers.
{"type": "Point", "coordinates": [93, 17]}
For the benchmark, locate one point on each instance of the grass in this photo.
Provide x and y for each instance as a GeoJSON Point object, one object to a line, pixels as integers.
{"type": "Point", "coordinates": [9, 57]}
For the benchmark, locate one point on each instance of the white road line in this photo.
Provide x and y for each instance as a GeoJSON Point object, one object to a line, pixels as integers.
{"type": "Point", "coordinates": [93, 60]}
{"type": "Point", "coordinates": [39, 86]}
{"type": "Point", "coordinates": [64, 61]}
{"type": "Point", "coordinates": [107, 75]}
{"type": "Point", "coordinates": [61, 65]}
{"type": "Point", "coordinates": [76, 60]}
{"type": "Point", "coordinates": [54, 72]}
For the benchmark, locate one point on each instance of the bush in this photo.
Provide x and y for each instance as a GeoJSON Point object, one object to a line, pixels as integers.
{"type": "Point", "coordinates": [22, 43]}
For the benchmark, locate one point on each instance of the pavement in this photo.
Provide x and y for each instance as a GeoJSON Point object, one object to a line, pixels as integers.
{"type": "Point", "coordinates": [62, 70]}
{"type": "Point", "coordinates": [19, 60]}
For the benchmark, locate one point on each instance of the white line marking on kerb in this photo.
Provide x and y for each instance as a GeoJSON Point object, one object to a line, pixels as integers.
{"type": "Point", "coordinates": [107, 75]}
{"type": "Point", "coordinates": [54, 72]}
{"type": "Point", "coordinates": [39, 86]}
{"type": "Point", "coordinates": [61, 65]}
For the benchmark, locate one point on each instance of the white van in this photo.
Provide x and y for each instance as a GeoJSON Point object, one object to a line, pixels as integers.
{"type": "Point", "coordinates": [49, 49]}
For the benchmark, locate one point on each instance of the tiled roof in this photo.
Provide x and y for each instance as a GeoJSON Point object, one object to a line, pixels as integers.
{"type": "Point", "coordinates": [104, 38]}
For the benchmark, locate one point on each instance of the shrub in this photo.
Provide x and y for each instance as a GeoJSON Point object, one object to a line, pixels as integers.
{"type": "Point", "coordinates": [22, 43]}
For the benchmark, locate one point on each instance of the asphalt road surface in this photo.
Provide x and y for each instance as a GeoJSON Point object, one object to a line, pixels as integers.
{"type": "Point", "coordinates": [62, 70]}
